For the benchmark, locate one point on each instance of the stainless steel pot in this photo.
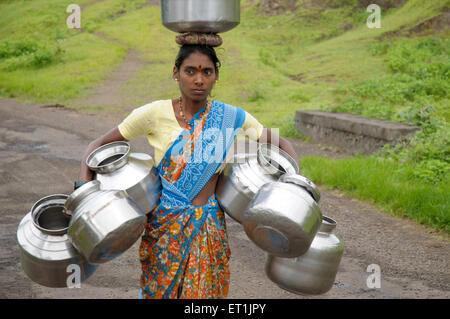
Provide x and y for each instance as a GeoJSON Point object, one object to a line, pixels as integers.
{"type": "Point", "coordinates": [314, 272]}
{"type": "Point", "coordinates": [242, 178]}
{"type": "Point", "coordinates": [117, 168]}
{"type": "Point", "coordinates": [104, 223]}
{"type": "Point", "coordinates": [45, 248]}
{"type": "Point", "coordinates": [200, 15]}
{"type": "Point", "coordinates": [283, 217]}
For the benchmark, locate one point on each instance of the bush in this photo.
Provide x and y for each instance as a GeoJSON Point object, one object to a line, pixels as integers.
{"type": "Point", "coordinates": [428, 152]}
{"type": "Point", "coordinates": [16, 54]}
{"type": "Point", "coordinates": [15, 48]}
{"type": "Point", "coordinates": [266, 58]}
{"type": "Point", "coordinates": [288, 129]}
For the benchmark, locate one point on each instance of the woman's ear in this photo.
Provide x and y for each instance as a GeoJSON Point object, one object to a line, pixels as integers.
{"type": "Point", "coordinates": [175, 73]}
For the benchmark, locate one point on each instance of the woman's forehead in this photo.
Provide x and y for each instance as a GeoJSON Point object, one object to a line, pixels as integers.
{"type": "Point", "coordinates": [197, 59]}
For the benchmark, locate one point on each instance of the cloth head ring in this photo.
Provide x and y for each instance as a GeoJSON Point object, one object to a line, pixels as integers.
{"type": "Point", "coordinates": [209, 39]}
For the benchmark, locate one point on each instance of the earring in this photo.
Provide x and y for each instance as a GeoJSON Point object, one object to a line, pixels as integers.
{"type": "Point", "coordinates": [176, 80]}
{"type": "Point", "coordinates": [217, 82]}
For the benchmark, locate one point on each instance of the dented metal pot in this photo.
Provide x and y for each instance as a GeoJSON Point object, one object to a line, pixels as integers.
{"type": "Point", "coordinates": [284, 217]}
{"type": "Point", "coordinates": [104, 223]}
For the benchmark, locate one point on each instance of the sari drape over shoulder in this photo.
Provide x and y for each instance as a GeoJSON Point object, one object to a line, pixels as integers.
{"type": "Point", "coordinates": [184, 251]}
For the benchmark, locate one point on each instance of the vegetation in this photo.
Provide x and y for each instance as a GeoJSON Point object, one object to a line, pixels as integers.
{"type": "Point", "coordinates": [318, 54]}
{"type": "Point", "coordinates": [412, 178]}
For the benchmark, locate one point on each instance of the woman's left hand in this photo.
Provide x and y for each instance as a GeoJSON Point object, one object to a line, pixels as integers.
{"type": "Point", "coordinates": [273, 138]}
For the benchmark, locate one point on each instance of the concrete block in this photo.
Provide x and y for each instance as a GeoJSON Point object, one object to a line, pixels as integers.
{"type": "Point", "coordinates": [350, 131]}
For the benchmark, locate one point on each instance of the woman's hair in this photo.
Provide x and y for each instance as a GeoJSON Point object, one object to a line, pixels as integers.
{"type": "Point", "coordinates": [187, 49]}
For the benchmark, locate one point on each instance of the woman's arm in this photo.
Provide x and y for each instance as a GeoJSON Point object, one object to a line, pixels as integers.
{"type": "Point", "coordinates": [111, 136]}
{"type": "Point", "coordinates": [268, 136]}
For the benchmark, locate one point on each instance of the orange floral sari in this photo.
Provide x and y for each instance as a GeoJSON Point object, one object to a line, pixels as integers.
{"type": "Point", "coordinates": [184, 251]}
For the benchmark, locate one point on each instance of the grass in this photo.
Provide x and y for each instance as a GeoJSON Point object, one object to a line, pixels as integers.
{"type": "Point", "coordinates": [388, 184]}
{"type": "Point", "coordinates": [318, 57]}
{"type": "Point", "coordinates": [259, 68]}
{"type": "Point", "coordinates": [87, 60]}
{"type": "Point", "coordinates": [83, 62]}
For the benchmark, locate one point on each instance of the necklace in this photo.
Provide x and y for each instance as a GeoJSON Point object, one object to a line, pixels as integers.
{"type": "Point", "coordinates": [182, 113]}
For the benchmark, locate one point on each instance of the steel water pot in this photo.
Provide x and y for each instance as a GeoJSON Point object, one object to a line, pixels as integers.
{"type": "Point", "coordinates": [242, 177]}
{"type": "Point", "coordinates": [116, 167]}
{"type": "Point", "coordinates": [314, 272]}
{"type": "Point", "coordinates": [104, 223]}
{"type": "Point", "coordinates": [212, 16]}
{"type": "Point", "coordinates": [284, 217]}
{"type": "Point", "coordinates": [46, 253]}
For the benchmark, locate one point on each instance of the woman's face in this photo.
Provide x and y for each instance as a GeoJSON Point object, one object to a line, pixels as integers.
{"type": "Point", "coordinates": [196, 77]}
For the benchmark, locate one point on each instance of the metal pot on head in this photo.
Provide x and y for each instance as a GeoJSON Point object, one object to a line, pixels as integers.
{"type": "Point", "coordinates": [212, 16]}
{"type": "Point", "coordinates": [47, 255]}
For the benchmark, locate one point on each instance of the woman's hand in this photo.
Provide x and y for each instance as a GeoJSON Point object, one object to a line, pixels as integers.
{"type": "Point", "coordinates": [268, 136]}
{"type": "Point", "coordinates": [112, 136]}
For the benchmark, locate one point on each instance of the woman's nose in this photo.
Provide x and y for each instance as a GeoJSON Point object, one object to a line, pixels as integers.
{"type": "Point", "coordinates": [198, 78]}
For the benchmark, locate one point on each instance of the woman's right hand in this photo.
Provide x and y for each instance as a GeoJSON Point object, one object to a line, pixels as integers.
{"type": "Point", "coordinates": [111, 136]}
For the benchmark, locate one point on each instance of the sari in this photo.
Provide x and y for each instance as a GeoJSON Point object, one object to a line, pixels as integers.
{"type": "Point", "coordinates": [184, 252]}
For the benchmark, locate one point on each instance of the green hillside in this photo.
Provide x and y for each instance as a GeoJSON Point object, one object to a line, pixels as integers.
{"type": "Point", "coordinates": [310, 54]}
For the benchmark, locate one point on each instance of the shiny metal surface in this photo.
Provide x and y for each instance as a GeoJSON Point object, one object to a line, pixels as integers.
{"type": "Point", "coordinates": [304, 182]}
{"type": "Point", "coordinates": [243, 177]}
{"type": "Point", "coordinates": [109, 157]}
{"type": "Point", "coordinates": [200, 15]}
{"type": "Point", "coordinates": [104, 223]}
{"type": "Point", "coordinates": [276, 161]}
{"type": "Point", "coordinates": [45, 248]}
{"type": "Point", "coordinates": [314, 272]}
{"type": "Point", "coordinates": [116, 167]}
{"type": "Point", "coordinates": [282, 219]}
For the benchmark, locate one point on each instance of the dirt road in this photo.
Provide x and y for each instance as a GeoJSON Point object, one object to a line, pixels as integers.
{"type": "Point", "coordinates": [40, 150]}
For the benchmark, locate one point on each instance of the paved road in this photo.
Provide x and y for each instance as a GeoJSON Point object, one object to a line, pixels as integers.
{"type": "Point", "coordinates": [40, 151]}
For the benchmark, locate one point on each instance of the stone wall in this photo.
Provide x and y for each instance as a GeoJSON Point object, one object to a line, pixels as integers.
{"type": "Point", "coordinates": [354, 133]}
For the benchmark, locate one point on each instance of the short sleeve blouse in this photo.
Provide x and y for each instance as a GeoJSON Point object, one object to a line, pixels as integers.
{"type": "Point", "coordinates": [157, 121]}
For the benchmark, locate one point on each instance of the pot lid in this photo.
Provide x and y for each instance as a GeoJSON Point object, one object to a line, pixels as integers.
{"type": "Point", "coordinates": [302, 181]}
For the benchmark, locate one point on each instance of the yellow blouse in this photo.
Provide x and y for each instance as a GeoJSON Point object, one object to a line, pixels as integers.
{"type": "Point", "coordinates": [158, 122]}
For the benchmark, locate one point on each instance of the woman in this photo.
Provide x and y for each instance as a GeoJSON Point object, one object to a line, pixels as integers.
{"type": "Point", "coordinates": [184, 251]}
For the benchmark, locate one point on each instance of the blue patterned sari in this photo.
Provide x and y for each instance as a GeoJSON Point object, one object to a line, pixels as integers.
{"type": "Point", "coordinates": [184, 251]}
